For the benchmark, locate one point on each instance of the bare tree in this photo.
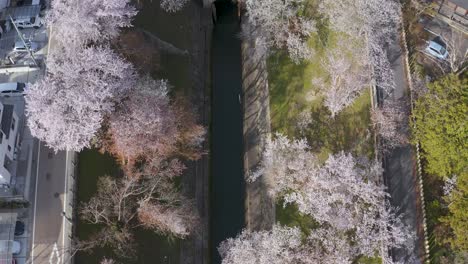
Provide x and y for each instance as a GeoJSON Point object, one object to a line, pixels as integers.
{"type": "Point", "coordinates": [457, 47]}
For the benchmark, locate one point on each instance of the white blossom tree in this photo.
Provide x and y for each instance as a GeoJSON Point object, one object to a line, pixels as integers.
{"type": "Point", "coordinates": [343, 195]}
{"type": "Point", "coordinates": [173, 5]}
{"type": "Point", "coordinates": [347, 78]}
{"type": "Point", "coordinates": [75, 23]}
{"type": "Point", "coordinates": [391, 122]}
{"type": "Point", "coordinates": [65, 108]}
{"type": "Point", "coordinates": [278, 23]}
{"type": "Point", "coordinates": [374, 21]}
{"type": "Point", "coordinates": [173, 220]}
{"type": "Point", "coordinates": [276, 246]}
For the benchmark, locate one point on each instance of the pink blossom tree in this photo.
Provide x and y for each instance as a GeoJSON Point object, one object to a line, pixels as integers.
{"type": "Point", "coordinates": [173, 220]}
{"type": "Point", "coordinates": [75, 23]}
{"type": "Point", "coordinates": [65, 108]}
{"type": "Point", "coordinates": [158, 130]}
{"type": "Point", "coordinates": [343, 194]}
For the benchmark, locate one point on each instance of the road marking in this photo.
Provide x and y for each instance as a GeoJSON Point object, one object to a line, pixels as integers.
{"type": "Point", "coordinates": [35, 200]}
{"type": "Point", "coordinates": [56, 253]}
{"type": "Point", "coordinates": [64, 222]}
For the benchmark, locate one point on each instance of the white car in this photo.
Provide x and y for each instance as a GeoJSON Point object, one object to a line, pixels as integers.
{"type": "Point", "coordinates": [20, 47]}
{"type": "Point", "coordinates": [12, 89]}
{"type": "Point", "coordinates": [437, 49]}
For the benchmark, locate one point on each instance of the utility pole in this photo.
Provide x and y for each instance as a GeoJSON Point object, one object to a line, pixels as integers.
{"type": "Point", "coordinates": [24, 42]}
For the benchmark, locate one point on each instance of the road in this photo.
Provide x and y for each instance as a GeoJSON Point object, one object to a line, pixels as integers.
{"type": "Point", "coordinates": [50, 234]}
{"type": "Point", "coordinates": [400, 168]}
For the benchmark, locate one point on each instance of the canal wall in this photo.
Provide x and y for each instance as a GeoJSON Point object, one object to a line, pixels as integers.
{"type": "Point", "coordinates": [259, 207]}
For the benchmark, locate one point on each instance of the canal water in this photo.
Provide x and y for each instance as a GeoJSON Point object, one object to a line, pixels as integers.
{"type": "Point", "coordinates": [226, 174]}
{"type": "Point", "coordinates": [227, 183]}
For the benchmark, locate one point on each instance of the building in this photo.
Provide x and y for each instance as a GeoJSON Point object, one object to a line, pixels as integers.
{"type": "Point", "coordinates": [9, 139]}
{"type": "Point", "coordinates": [455, 11]}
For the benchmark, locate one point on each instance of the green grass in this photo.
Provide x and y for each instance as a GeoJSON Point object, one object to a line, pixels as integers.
{"type": "Point", "coordinates": [290, 216]}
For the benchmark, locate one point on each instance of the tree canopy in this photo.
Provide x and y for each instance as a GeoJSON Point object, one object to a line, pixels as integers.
{"type": "Point", "coordinates": [441, 125]}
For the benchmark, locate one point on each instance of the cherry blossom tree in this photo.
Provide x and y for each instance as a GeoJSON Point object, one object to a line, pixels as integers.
{"type": "Point", "coordinates": [145, 122]}
{"type": "Point", "coordinates": [160, 129]}
{"type": "Point", "coordinates": [173, 5]}
{"type": "Point", "coordinates": [178, 221]}
{"type": "Point", "coordinates": [343, 194]}
{"type": "Point", "coordinates": [391, 123]}
{"type": "Point", "coordinates": [65, 108]}
{"type": "Point", "coordinates": [277, 23]}
{"type": "Point", "coordinates": [75, 23]}
{"type": "Point", "coordinates": [374, 21]}
{"type": "Point", "coordinates": [347, 79]}
{"type": "Point", "coordinates": [276, 246]}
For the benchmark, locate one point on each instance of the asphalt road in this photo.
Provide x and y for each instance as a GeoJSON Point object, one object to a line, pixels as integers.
{"type": "Point", "coordinates": [400, 168]}
{"type": "Point", "coordinates": [49, 204]}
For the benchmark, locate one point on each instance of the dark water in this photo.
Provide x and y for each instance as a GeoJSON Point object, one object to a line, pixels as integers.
{"type": "Point", "coordinates": [227, 184]}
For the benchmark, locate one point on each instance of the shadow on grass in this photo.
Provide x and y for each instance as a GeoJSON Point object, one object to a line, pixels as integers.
{"type": "Point", "coordinates": [150, 247]}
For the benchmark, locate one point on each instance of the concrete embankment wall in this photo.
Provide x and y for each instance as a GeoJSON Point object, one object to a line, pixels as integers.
{"type": "Point", "coordinates": [259, 207]}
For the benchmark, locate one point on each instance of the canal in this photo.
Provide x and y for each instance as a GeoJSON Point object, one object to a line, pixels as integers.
{"type": "Point", "coordinates": [227, 182]}
{"type": "Point", "coordinates": [226, 197]}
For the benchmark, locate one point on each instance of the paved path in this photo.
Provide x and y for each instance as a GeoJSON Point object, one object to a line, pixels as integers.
{"type": "Point", "coordinates": [260, 208]}
{"type": "Point", "coordinates": [400, 168]}
{"type": "Point", "coordinates": [50, 227]}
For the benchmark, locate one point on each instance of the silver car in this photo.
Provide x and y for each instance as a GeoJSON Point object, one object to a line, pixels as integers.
{"type": "Point", "coordinates": [20, 47]}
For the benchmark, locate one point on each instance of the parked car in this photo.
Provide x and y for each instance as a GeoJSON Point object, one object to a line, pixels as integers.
{"type": "Point", "coordinates": [20, 47]}
{"type": "Point", "coordinates": [437, 48]}
{"type": "Point", "coordinates": [16, 247]}
{"type": "Point", "coordinates": [28, 22]}
{"type": "Point", "coordinates": [19, 228]}
{"type": "Point", "coordinates": [12, 89]}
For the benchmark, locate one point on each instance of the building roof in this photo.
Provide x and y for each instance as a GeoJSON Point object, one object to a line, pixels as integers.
{"type": "Point", "coordinates": [460, 3]}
